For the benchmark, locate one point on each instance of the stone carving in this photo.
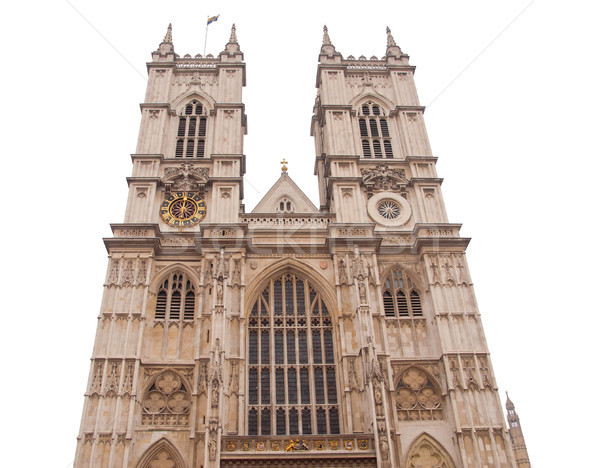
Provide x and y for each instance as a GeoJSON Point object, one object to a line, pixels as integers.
{"type": "Point", "coordinates": [127, 385]}
{"type": "Point", "coordinates": [296, 445]}
{"type": "Point", "coordinates": [140, 279]}
{"type": "Point", "coordinates": [177, 242]}
{"type": "Point", "coordinates": [97, 379]}
{"type": "Point", "coordinates": [354, 232]}
{"type": "Point", "coordinates": [212, 448]}
{"type": "Point", "coordinates": [223, 233]}
{"type": "Point", "coordinates": [469, 375]}
{"type": "Point", "coordinates": [234, 383]}
{"type": "Point", "coordinates": [236, 277]}
{"type": "Point", "coordinates": [484, 371]}
{"type": "Point", "coordinates": [417, 399]}
{"type": "Point", "coordinates": [112, 380]}
{"type": "Point", "coordinates": [358, 266]}
{"type": "Point", "coordinates": [396, 240]}
{"type": "Point", "coordinates": [343, 275]}
{"type": "Point", "coordinates": [281, 222]}
{"type": "Point", "coordinates": [456, 382]}
{"type": "Point", "coordinates": [202, 378]}
{"type": "Point", "coordinates": [166, 402]}
{"type": "Point", "coordinates": [220, 269]}
{"type": "Point", "coordinates": [362, 292]}
{"type": "Point", "coordinates": [113, 276]}
{"type": "Point", "coordinates": [186, 177]}
{"type": "Point", "coordinates": [352, 377]}
{"type": "Point", "coordinates": [448, 270]}
{"type": "Point", "coordinates": [382, 178]}
{"type": "Point", "coordinates": [216, 374]}
{"type": "Point", "coordinates": [208, 273]}
{"type": "Point", "coordinates": [127, 278]}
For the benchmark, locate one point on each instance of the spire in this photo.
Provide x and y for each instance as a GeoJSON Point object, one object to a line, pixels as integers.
{"type": "Point", "coordinates": [326, 40]}
{"type": "Point", "coordinates": [390, 38]}
{"type": "Point", "coordinates": [165, 49]}
{"type": "Point", "coordinates": [232, 47]}
{"type": "Point", "coordinates": [233, 36]}
{"type": "Point", "coordinates": [392, 48]}
{"type": "Point", "coordinates": [509, 404]}
{"type": "Point", "coordinates": [328, 48]}
{"type": "Point", "coordinates": [169, 36]}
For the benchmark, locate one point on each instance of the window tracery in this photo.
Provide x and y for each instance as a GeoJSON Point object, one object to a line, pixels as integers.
{"type": "Point", "coordinates": [176, 299]}
{"type": "Point", "coordinates": [292, 381]}
{"type": "Point", "coordinates": [166, 401]}
{"type": "Point", "coordinates": [417, 398]}
{"type": "Point", "coordinates": [374, 132]}
{"type": "Point", "coordinates": [285, 205]}
{"type": "Point", "coordinates": [400, 296]}
{"type": "Point", "coordinates": [191, 131]}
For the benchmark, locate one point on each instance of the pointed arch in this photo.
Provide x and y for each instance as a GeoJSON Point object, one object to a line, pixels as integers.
{"type": "Point", "coordinates": [426, 452]}
{"type": "Point", "coordinates": [293, 265]}
{"type": "Point", "coordinates": [292, 385]}
{"type": "Point", "coordinates": [159, 278]}
{"type": "Point", "coordinates": [160, 454]}
{"type": "Point", "coordinates": [166, 400]}
{"type": "Point", "coordinates": [402, 296]}
{"type": "Point", "coordinates": [377, 98]}
{"type": "Point", "coordinates": [179, 103]}
{"type": "Point", "coordinates": [417, 395]}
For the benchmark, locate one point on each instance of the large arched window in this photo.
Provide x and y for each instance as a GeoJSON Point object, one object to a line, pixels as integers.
{"type": "Point", "coordinates": [191, 132]}
{"type": "Point", "coordinates": [176, 299]}
{"type": "Point", "coordinates": [292, 382]}
{"type": "Point", "coordinates": [374, 132]}
{"type": "Point", "coordinates": [400, 296]}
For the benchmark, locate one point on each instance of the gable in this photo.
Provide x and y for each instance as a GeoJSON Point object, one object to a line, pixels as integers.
{"type": "Point", "coordinates": [286, 192]}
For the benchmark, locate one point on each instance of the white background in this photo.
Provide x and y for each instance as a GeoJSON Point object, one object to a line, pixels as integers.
{"type": "Point", "coordinates": [511, 90]}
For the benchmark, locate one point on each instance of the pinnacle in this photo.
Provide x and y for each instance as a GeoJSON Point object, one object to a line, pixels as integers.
{"type": "Point", "coordinates": [390, 38]}
{"type": "Point", "coordinates": [233, 37]}
{"type": "Point", "coordinates": [326, 40]}
{"type": "Point", "coordinates": [169, 36]}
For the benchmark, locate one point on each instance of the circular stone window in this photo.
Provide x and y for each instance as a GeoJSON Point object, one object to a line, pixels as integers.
{"type": "Point", "coordinates": [389, 209]}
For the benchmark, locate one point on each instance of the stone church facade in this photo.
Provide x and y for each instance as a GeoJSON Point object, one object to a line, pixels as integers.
{"type": "Point", "coordinates": [341, 335]}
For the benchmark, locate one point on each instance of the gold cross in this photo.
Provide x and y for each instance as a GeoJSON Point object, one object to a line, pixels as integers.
{"type": "Point", "coordinates": [284, 167]}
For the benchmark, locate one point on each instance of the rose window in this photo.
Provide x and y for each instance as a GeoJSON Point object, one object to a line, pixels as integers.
{"type": "Point", "coordinates": [388, 209]}
{"type": "Point", "coordinates": [166, 402]}
{"type": "Point", "coordinates": [417, 398]}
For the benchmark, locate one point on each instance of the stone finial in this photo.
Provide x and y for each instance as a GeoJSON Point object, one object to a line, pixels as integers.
{"type": "Point", "coordinates": [283, 166]}
{"type": "Point", "coordinates": [390, 38]}
{"type": "Point", "coordinates": [233, 36]}
{"type": "Point", "coordinates": [169, 36]}
{"type": "Point", "coordinates": [326, 40]}
{"type": "Point", "coordinates": [392, 48]}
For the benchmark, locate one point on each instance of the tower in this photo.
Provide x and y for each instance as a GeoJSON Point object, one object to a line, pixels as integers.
{"type": "Point", "coordinates": [294, 335]}
{"type": "Point", "coordinates": [516, 435]}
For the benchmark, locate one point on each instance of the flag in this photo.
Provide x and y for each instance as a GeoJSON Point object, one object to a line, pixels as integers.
{"type": "Point", "coordinates": [212, 19]}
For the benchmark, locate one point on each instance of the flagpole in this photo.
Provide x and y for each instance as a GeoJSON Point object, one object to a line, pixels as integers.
{"type": "Point", "coordinates": [205, 36]}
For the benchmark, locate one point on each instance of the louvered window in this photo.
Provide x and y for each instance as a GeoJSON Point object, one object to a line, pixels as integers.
{"type": "Point", "coordinates": [176, 299]}
{"type": "Point", "coordinates": [374, 132]}
{"type": "Point", "coordinates": [292, 380]}
{"type": "Point", "coordinates": [400, 296]}
{"type": "Point", "coordinates": [191, 131]}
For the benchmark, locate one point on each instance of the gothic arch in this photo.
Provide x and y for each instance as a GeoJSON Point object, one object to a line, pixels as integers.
{"type": "Point", "coordinates": [256, 286]}
{"type": "Point", "coordinates": [426, 452]}
{"type": "Point", "coordinates": [166, 399]}
{"type": "Point", "coordinates": [417, 396]}
{"type": "Point", "coordinates": [415, 278]}
{"type": "Point", "coordinates": [377, 98]}
{"type": "Point", "coordinates": [178, 104]}
{"type": "Point", "coordinates": [159, 278]}
{"type": "Point", "coordinates": [160, 454]}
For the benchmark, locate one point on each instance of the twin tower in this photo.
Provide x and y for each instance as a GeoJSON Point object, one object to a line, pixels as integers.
{"type": "Point", "coordinates": [343, 335]}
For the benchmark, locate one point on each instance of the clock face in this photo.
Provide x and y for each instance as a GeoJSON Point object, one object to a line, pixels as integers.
{"type": "Point", "coordinates": [183, 209]}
